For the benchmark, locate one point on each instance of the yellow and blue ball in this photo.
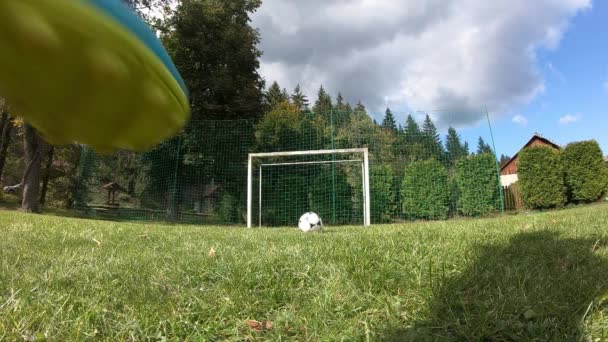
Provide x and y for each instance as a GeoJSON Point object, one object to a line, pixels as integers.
{"type": "Point", "coordinates": [89, 71]}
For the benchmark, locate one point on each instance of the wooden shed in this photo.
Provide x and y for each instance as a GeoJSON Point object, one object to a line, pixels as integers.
{"type": "Point", "coordinates": [508, 172]}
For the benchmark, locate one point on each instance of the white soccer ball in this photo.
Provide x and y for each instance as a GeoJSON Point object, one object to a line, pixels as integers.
{"type": "Point", "coordinates": [310, 222]}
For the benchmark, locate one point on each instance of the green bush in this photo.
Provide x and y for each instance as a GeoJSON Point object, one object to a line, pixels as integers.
{"type": "Point", "coordinates": [586, 176]}
{"type": "Point", "coordinates": [382, 193]}
{"type": "Point", "coordinates": [541, 178]}
{"type": "Point", "coordinates": [227, 208]}
{"type": "Point", "coordinates": [477, 182]}
{"type": "Point", "coordinates": [425, 191]}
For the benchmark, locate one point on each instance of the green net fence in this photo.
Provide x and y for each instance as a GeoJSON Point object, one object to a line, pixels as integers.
{"type": "Point", "coordinates": [201, 176]}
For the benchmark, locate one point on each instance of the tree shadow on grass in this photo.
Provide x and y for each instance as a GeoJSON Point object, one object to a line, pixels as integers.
{"type": "Point", "coordinates": [539, 287]}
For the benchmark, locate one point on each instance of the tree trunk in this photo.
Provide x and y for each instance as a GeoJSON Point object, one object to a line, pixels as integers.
{"type": "Point", "coordinates": [46, 174]}
{"type": "Point", "coordinates": [5, 140]}
{"type": "Point", "coordinates": [34, 150]}
{"type": "Point", "coordinates": [3, 120]}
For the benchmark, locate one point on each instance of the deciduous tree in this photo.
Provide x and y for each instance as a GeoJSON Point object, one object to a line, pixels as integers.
{"type": "Point", "coordinates": [5, 138]}
{"type": "Point", "coordinates": [215, 49]}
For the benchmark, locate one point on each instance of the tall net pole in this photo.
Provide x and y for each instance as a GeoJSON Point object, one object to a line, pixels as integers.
{"type": "Point", "coordinates": [260, 198]}
{"type": "Point", "coordinates": [249, 190]}
{"type": "Point", "coordinates": [333, 170]}
{"type": "Point", "coordinates": [502, 196]}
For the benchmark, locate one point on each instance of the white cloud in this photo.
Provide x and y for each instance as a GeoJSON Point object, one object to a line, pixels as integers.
{"type": "Point", "coordinates": [520, 120]}
{"type": "Point", "coordinates": [456, 55]}
{"type": "Point", "coordinates": [568, 119]}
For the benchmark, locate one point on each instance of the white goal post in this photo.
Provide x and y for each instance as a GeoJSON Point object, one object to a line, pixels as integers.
{"type": "Point", "coordinates": [364, 166]}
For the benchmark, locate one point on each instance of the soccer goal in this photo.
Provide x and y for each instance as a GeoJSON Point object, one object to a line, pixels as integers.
{"type": "Point", "coordinates": [333, 183]}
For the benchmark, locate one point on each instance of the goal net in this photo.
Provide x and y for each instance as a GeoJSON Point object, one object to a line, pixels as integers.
{"type": "Point", "coordinates": [281, 186]}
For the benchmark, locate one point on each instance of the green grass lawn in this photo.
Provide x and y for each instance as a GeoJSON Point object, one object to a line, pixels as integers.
{"type": "Point", "coordinates": [535, 277]}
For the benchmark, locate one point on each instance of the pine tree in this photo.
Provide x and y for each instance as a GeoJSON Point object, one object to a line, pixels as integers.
{"type": "Point", "coordinates": [412, 146]}
{"type": "Point", "coordinates": [411, 131]}
{"type": "Point", "coordinates": [432, 141]}
{"type": "Point", "coordinates": [483, 147]}
{"type": "Point", "coordinates": [285, 94]}
{"type": "Point", "coordinates": [348, 108]}
{"type": "Point", "coordinates": [389, 121]}
{"type": "Point", "coordinates": [360, 109]}
{"type": "Point", "coordinates": [275, 96]}
{"type": "Point", "coordinates": [323, 105]}
{"type": "Point", "coordinates": [455, 149]}
{"type": "Point", "coordinates": [342, 111]}
{"type": "Point", "coordinates": [340, 104]}
{"type": "Point", "coordinates": [504, 159]}
{"type": "Point", "coordinates": [299, 99]}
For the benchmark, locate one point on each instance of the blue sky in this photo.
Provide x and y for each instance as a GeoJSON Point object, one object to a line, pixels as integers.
{"type": "Point", "coordinates": [576, 90]}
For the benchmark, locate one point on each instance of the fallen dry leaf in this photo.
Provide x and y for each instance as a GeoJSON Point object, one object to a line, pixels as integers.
{"type": "Point", "coordinates": [255, 325]}
{"type": "Point", "coordinates": [212, 252]}
{"type": "Point", "coordinates": [259, 326]}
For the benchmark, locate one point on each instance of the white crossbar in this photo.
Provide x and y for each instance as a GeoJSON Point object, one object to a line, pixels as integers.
{"type": "Point", "coordinates": [306, 153]}
{"type": "Point", "coordinates": [316, 162]}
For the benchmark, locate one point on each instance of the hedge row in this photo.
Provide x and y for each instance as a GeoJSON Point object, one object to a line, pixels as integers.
{"type": "Point", "coordinates": [550, 178]}
{"type": "Point", "coordinates": [541, 177]}
{"type": "Point", "coordinates": [547, 178]}
{"type": "Point", "coordinates": [425, 191]}
{"type": "Point", "coordinates": [477, 182]}
{"type": "Point", "coordinates": [428, 192]}
{"type": "Point", "coordinates": [383, 193]}
{"type": "Point", "coordinates": [585, 172]}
